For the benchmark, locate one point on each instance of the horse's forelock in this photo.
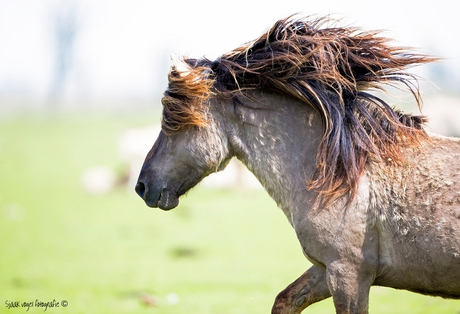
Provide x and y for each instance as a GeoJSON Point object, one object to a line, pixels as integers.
{"type": "Point", "coordinates": [184, 101]}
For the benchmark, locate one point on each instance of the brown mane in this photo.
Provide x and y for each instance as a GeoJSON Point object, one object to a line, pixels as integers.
{"type": "Point", "coordinates": [329, 68]}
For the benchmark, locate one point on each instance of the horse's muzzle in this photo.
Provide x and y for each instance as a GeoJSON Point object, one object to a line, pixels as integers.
{"type": "Point", "coordinates": [161, 197]}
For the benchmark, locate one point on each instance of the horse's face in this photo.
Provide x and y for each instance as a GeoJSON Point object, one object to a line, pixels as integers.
{"type": "Point", "coordinates": [178, 162]}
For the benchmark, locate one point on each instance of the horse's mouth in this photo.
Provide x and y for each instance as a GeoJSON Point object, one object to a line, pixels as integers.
{"type": "Point", "coordinates": [167, 200]}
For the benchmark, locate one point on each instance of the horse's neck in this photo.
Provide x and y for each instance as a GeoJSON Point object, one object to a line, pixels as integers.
{"type": "Point", "coordinates": [278, 143]}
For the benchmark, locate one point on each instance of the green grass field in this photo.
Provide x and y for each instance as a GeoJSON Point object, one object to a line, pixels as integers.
{"type": "Point", "coordinates": [220, 251]}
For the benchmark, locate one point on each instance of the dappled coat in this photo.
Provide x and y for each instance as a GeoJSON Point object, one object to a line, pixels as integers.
{"type": "Point", "coordinates": [374, 199]}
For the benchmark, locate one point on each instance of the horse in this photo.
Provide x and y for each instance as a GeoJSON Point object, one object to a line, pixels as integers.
{"type": "Point", "coordinates": [374, 197]}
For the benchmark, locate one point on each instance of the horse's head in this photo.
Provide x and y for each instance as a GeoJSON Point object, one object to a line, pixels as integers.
{"type": "Point", "coordinates": [191, 145]}
{"type": "Point", "coordinates": [176, 163]}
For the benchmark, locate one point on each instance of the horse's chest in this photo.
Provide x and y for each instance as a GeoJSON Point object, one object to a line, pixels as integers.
{"type": "Point", "coordinates": [331, 234]}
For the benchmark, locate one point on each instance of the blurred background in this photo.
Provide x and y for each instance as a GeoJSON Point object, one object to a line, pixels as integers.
{"type": "Point", "coordinates": [80, 89]}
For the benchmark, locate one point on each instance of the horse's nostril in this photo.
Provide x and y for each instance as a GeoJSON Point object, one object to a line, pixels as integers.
{"type": "Point", "coordinates": [140, 189]}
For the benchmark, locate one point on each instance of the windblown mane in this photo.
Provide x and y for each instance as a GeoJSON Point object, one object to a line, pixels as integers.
{"type": "Point", "coordinates": [329, 68]}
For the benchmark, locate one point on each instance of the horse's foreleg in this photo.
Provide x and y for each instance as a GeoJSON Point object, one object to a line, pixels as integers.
{"type": "Point", "coordinates": [309, 288]}
{"type": "Point", "coordinates": [349, 287]}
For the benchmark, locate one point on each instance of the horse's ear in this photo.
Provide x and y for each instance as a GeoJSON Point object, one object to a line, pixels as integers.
{"type": "Point", "coordinates": [180, 66]}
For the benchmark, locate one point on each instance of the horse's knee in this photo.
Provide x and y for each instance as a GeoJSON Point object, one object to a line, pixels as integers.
{"type": "Point", "coordinates": [309, 288]}
{"type": "Point", "coordinates": [283, 303]}
{"type": "Point", "coordinates": [280, 304]}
